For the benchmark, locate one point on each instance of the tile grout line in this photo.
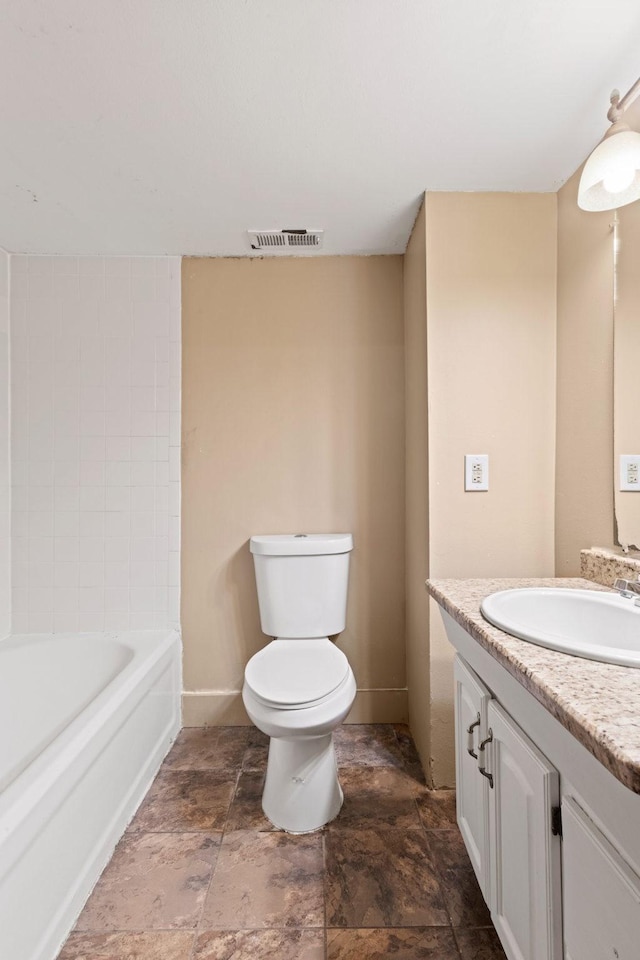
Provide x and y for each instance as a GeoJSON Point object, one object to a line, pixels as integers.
{"type": "Point", "coordinates": [215, 865]}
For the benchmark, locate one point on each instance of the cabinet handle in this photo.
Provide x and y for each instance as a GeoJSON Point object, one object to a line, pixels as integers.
{"type": "Point", "coordinates": [470, 750]}
{"type": "Point", "coordinates": [482, 767]}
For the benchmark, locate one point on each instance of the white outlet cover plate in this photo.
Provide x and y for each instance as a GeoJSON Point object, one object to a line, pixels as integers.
{"type": "Point", "coordinates": [476, 472]}
{"type": "Point", "coordinates": [630, 472]}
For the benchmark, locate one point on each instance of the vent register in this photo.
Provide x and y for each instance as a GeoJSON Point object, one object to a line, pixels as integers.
{"type": "Point", "coordinates": [283, 240]}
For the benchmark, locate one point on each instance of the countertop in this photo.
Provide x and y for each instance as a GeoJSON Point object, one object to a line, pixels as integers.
{"type": "Point", "coordinates": [599, 703]}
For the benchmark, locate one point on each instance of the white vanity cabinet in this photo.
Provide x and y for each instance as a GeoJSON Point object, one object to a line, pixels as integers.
{"type": "Point", "coordinates": [554, 837]}
{"type": "Point", "coordinates": [601, 893]}
{"type": "Point", "coordinates": [507, 794]}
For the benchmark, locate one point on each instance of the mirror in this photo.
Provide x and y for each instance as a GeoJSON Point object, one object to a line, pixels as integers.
{"type": "Point", "coordinates": [626, 392]}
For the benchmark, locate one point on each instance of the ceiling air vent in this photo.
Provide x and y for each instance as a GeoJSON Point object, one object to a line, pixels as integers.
{"type": "Point", "coordinates": [281, 241]}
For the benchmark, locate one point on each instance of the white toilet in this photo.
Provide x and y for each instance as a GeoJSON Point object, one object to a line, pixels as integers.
{"type": "Point", "coordinates": [300, 686]}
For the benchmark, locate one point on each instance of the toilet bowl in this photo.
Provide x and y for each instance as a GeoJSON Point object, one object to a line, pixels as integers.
{"type": "Point", "coordinates": [299, 714]}
{"type": "Point", "coordinates": [300, 686]}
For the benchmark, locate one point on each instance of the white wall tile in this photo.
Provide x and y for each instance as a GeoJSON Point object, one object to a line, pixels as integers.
{"type": "Point", "coordinates": [117, 573]}
{"type": "Point", "coordinates": [117, 525]}
{"type": "Point", "coordinates": [40, 287]}
{"type": "Point", "coordinates": [67, 523]}
{"type": "Point", "coordinates": [20, 548]}
{"type": "Point", "coordinates": [117, 598]}
{"type": "Point", "coordinates": [117, 499]}
{"type": "Point", "coordinates": [40, 549]}
{"type": "Point", "coordinates": [91, 622]}
{"type": "Point", "coordinates": [40, 600]}
{"type": "Point", "coordinates": [92, 443]}
{"type": "Point", "coordinates": [96, 431]}
{"type": "Point", "coordinates": [118, 423]}
{"type": "Point", "coordinates": [39, 266]}
{"type": "Point", "coordinates": [19, 285]}
{"type": "Point", "coordinates": [117, 549]}
{"type": "Point", "coordinates": [66, 574]}
{"type": "Point", "coordinates": [39, 623]}
{"type": "Point", "coordinates": [66, 288]}
{"type": "Point", "coordinates": [40, 523]}
{"type": "Point", "coordinates": [66, 498]}
{"type": "Point", "coordinates": [40, 574]}
{"type": "Point", "coordinates": [19, 523]}
{"type": "Point", "coordinates": [143, 524]}
{"type": "Point", "coordinates": [92, 498]}
{"type": "Point", "coordinates": [143, 573]}
{"type": "Point", "coordinates": [91, 574]}
{"type": "Point", "coordinates": [65, 622]}
{"type": "Point", "coordinates": [92, 549]}
{"type": "Point", "coordinates": [92, 289]}
{"type": "Point", "coordinates": [92, 523]}
{"type": "Point", "coordinates": [118, 473]}
{"type": "Point", "coordinates": [92, 473]}
{"type": "Point", "coordinates": [65, 600]}
{"type": "Point", "coordinates": [5, 444]}
{"type": "Point", "coordinates": [144, 266]}
{"type": "Point", "coordinates": [66, 473]}
{"type": "Point", "coordinates": [142, 473]}
{"type": "Point", "coordinates": [67, 549]}
{"type": "Point", "coordinates": [114, 620]}
{"type": "Point", "coordinates": [162, 473]}
{"type": "Point", "coordinates": [64, 266]}
{"type": "Point", "coordinates": [118, 266]}
{"type": "Point", "coordinates": [143, 448]}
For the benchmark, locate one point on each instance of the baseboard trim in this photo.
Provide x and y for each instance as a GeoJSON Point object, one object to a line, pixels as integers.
{"type": "Point", "coordinates": [216, 708]}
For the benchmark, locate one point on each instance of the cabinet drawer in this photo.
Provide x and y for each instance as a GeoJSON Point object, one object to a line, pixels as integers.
{"type": "Point", "coordinates": [601, 893]}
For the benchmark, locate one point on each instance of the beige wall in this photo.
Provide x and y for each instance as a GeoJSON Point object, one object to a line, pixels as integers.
{"type": "Point", "coordinates": [297, 394]}
{"type": "Point", "coordinates": [491, 328]}
{"type": "Point", "coordinates": [293, 419]}
{"type": "Point", "coordinates": [584, 458]}
{"type": "Point", "coordinates": [417, 484]}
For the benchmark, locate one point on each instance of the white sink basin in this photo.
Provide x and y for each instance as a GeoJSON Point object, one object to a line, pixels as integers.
{"type": "Point", "coordinates": [585, 623]}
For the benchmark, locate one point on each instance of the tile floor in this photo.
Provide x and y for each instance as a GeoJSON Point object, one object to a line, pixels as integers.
{"type": "Point", "coordinates": [202, 875]}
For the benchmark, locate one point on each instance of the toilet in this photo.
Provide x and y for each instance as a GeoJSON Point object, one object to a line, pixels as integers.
{"type": "Point", "coordinates": [300, 686]}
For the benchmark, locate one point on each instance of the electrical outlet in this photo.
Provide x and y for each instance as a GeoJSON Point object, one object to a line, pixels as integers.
{"type": "Point", "coordinates": [476, 471]}
{"type": "Point", "coordinates": [630, 472]}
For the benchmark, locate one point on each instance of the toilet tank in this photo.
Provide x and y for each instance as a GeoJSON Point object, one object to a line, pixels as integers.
{"type": "Point", "coordinates": [302, 582]}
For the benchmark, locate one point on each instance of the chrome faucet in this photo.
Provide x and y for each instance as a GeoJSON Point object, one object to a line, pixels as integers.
{"type": "Point", "coordinates": [628, 588]}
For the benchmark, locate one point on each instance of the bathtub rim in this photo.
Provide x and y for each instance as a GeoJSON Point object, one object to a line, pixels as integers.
{"type": "Point", "coordinates": [20, 798]}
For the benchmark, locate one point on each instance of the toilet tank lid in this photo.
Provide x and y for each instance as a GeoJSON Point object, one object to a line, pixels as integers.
{"type": "Point", "coordinates": [301, 544]}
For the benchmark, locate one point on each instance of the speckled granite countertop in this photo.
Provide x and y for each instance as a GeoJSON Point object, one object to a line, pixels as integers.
{"type": "Point", "coordinates": [598, 703]}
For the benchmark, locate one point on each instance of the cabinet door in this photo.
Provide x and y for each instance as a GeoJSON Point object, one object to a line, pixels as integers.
{"type": "Point", "coordinates": [471, 700]}
{"type": "Point", "coordinates": [525, 896]}
{"type": "Point", "coordinates": [601, 893]}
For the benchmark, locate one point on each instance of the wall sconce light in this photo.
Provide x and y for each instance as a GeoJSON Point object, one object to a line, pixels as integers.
{"type": "Point", "coordinates": [611, 176]}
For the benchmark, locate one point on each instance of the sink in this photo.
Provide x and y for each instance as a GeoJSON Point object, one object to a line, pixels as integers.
{"type": "Point", "coordinates": [585, 623]}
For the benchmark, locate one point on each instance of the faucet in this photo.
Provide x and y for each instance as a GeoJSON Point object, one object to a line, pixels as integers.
{"type": "Point", "coordinates": [628, 588]}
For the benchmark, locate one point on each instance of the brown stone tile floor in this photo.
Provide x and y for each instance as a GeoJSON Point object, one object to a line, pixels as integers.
{"type": "Point", "coordinates": [201, 874]}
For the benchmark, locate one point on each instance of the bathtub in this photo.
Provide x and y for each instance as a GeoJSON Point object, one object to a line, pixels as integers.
{"type": "Point", "coordinates": [85, 722]}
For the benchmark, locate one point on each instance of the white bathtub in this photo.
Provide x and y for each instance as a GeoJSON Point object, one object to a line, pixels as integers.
{"type": "Point", "coordinates": [85, 722]}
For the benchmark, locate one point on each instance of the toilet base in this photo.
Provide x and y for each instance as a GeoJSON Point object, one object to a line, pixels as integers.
{"type": "Point", "coordinates": [302, 792]}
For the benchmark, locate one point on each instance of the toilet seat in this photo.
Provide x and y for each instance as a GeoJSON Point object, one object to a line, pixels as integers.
{"type": "Point", "coordinates": [295, 674]}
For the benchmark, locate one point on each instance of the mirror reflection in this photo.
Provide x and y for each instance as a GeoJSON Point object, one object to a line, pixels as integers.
{"type": "Point", "coordinates": [626, 402]}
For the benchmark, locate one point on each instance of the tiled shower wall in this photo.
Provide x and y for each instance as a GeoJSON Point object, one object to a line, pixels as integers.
{"type": "Point", "coordinates": [5, 489]}
{"type": "Point", "coordinates": [95, 442]}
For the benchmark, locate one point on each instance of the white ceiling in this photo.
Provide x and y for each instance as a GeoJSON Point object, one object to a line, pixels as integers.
{"type": "Point", "coordinates": [170, 126]}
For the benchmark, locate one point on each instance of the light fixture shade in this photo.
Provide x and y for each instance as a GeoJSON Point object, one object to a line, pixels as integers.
{"type": "Point", "coordinates": [611, 176]}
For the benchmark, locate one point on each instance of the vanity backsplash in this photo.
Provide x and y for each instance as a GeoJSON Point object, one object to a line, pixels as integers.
{"type": "Point", "coordinates": [604, 566]}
